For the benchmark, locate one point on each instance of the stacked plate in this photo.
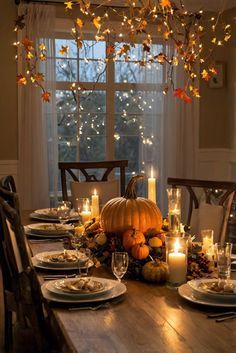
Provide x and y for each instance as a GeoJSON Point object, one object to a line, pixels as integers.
{"type": "Point", "coordinates": [82, 290]}
{"type": "Point", "coordinates": [207, 292]}
{"type": "Point", "coordinates": [50, 215]}
{"type": "Point", "coordinates": [59, 260]}
{"type": "Point", "coordinates": [48, 229]}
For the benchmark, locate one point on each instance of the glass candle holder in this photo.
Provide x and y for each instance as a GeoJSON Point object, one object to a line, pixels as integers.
{"type": "Point", "coordinates": [86, 211]}
{"type": "Point", "coordinates": [174, 209]}
{"type": "Point", "coordinates": [177, 259]}
{"type": "Point", "coordinates": [207, 241]}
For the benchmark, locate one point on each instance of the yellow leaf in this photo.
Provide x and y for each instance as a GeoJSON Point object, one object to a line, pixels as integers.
{"type": "Point", "coordinates": [42, 57]}
{"type": "Point", "coordinates": [69, 5]}
{"type": "Point", "coordinates": [42, 47]}
{"type": "Point", "coordinates": [205, 75]}
{"type": "Point", "coordinates": [29, 55]}
{"type": "Point", "coordinates": [213, 40]}
{"type": "Point", "coordinates": [79, 22]}
{"type": "Point", "coordinates": [97, 22]}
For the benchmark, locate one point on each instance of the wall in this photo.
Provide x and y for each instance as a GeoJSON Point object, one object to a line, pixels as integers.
{"type": "Point", "coordinates": [8, 95]}
{"type": "Point", "coordinates": [217, 121]}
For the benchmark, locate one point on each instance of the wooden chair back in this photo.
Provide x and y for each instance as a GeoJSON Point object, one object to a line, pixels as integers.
{"type": "Point", "coordinates": [8, 182]}
{"type": "Point", "coordinates": [22, 293]}
{"type": "Point", "coordinates": [69, 168]}
{"type": "Point", "coordinates": [221, 193]}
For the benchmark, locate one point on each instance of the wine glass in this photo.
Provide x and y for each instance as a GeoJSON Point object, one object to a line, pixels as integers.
{"type": "Point", "coordinates": [119, 264]}
{"type": "Point", "coordinates": [63, 211]}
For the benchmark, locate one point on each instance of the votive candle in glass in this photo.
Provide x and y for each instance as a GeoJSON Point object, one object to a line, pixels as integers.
{"type": "Point", "coordinates": [174, 209]}
{"type": "Point", "coordinates": [176, 258]}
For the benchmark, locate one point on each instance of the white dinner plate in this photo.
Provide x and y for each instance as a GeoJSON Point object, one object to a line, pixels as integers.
{"type": "Point", "coordinates": [186, 292]}
{"type": "Point", "coordinates": [117, 290]}
{"type": "Point", "coordinates": [199, 291]}
{"type": "Point", "coordinates": [55, 288]}
{"type": "Point", "coordinates": [49, 228]}
{"type": "Point", "coordinates": [44, 258]}
{"type": "Point", "coordinates": [50, 236]}
{"type": "Point", "coordinates": [43, 266]}
{"type": "Point", "coordinates": [43, 218]}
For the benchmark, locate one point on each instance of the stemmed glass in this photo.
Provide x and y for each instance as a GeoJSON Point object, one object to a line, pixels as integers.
{"type": "Point", "coordinates": [119, 264]}
{"type": "Point", "coordinates": [63, 211]}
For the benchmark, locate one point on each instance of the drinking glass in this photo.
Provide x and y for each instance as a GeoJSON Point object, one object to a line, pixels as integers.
{"type": "Point", "coordinates": [63, 211]}
{"type": "Point", "coordinates": [83, 263]}
{"type": "Point", "coordinates": [119, 264]}
{"type": "Point", "coordinates": [223, 260]}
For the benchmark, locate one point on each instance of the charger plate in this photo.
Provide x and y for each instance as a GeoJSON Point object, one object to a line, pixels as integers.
{"type": "Point", "coordinates": [186, 292]}
{"type": "Point", "coordinates": [117, 290]}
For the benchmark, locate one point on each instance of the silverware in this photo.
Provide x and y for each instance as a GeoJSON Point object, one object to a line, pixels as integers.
{"type": "Point", "coordinates": [45, 240]}
{"type": "Point", "coordinates": [93, 308]}
{"type": "Point", "coordinates": [96, 307]}
{"type": "Point", "coordinates": [48, 277]}
{"type": "Point", "coordinates": [226, 313]}
{"type": "Point", "coordinates": [226, 318]}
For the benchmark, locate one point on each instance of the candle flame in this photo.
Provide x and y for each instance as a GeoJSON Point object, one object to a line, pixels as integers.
{"type": "Point", "coordinates": [152, 172]}
{"type": "Point", "coordinates": [95, 192]}
{"type": "Point", "coordinates": [86, 205]}
{"type": "Point", "coordinates": [176, 246]}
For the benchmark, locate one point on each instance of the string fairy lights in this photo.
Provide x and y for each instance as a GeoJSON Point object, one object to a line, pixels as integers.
{"type": "Point", "coordinates": [138, 21]}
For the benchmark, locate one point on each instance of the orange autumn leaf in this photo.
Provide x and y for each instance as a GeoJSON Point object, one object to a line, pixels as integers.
{"type": "Point", "coordinates": [29, 55]}
{"type": "Point", "coordinates": [194, 91]}
{"type": "Point", "coordinates": [79, 22]}
{"type": "Point", "coordinates": [21, 80]}
{"type": "Point", "coordinates": [110, 50]}
{"type": "Point", "coordinates": [64, 50]}
{"type": "Point", "coordinates": [27, 43]}
{"type": "Point", "coordinates": [165, 3]}
{"type": "Point", "coordinates": [205, 75]}
{"type": "Point", "coordinates": [213, 70]}
{"type": "Point", "coordinates": [123, 50]}
{"type": "Point", "coordinates": [46, 96]}
{"type": "Point", "coordinates": [166, 35]}
{"type": "Point", "coordinates": [181, 94]}
{"type": "Point", "coordinates": [38, 77]}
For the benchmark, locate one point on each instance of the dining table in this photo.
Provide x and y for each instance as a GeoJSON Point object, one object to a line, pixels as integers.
{"type": "Point", "coordinates": [147, 318]}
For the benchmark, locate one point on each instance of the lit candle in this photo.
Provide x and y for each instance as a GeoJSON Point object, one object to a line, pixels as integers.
{"type": "Point", "coordinates": [86, 213]}
{"type": "Point", "coordinates": [95, 204]}
{"type": "Point", "coordinates": [177, 265]}
{"type": "Point", "coordinates": [152, 187]}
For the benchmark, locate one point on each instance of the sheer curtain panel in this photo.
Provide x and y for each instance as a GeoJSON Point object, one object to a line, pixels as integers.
{"type": "Point", "coordinates": [34, 124]}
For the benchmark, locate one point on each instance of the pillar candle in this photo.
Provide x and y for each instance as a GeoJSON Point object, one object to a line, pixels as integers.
{"type": "Point", "coordinates": [152, 188]}
{"type": "Point", "coordinates": [177, 266]}
{"type": "Point", "coordinates": [95, 204]}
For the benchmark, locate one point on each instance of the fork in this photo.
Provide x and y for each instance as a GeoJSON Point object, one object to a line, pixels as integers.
{"type": "Point", "coordinates": [93, 308]}
{"type": "Point", "coordinates": [48, 277]}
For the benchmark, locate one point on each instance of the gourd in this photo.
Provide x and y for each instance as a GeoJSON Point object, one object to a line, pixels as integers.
{"type": "Point", "coordinates": [132, 237]}
{"type": "Point", "coordinates": [155, 242]}
{"type": "Point", "coordinates": [100, 238]}
{"type": "Point", "coordinates": [130, 211]}
{"type": "Point", "coordinates": [155, 271]}
{"type": "Point", "coordinates": [140, 251]}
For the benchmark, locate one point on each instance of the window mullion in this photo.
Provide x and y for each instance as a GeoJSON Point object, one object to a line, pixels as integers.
{"type": "Point", "coordinates": [110, 111]}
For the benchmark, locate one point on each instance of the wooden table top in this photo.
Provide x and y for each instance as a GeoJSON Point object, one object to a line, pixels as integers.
{"type": "Point", "coordinates": [151, 318]}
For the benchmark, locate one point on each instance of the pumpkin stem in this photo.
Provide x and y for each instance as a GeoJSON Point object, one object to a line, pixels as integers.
{"type": "Point", "coordinates": [130, 192]}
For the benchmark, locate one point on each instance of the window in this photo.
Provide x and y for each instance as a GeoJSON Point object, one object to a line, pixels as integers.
{"type": "Point", "coordinates": [118, 111]}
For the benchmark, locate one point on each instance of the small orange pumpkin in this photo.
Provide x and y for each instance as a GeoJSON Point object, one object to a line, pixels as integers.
{"type": "Point", "coordinates": [132, 237]}
{"type": "Point", "coordinates": [140, 251]}
{"type": "Point", "coordinates": [155, 271]}
{"type": "Point", "coordinates": [155, 242]}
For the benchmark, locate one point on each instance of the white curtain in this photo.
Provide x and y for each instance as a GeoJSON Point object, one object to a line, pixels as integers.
{"type": "Point", "coordinates": [34, 124]}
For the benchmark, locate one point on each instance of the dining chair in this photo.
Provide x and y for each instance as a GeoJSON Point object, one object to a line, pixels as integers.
{"type": "Point", "coordinates": [209, 204]}
{"type": "Point", "coordinates": [8, 182]}
{"type": "Point", "coordinates": [21, 289]}
{"type": "Point", "coordinates": [87, 172]}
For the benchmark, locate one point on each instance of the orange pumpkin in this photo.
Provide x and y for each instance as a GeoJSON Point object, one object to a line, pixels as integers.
{"type": "Point", "coordinates": [132, 237]}
{"type": "Point", "coordinates": [130, 211]}
{"type": "Point", "coordinates": [155, 271]}
{"type": "Point", "coordinates": [140, 251]}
